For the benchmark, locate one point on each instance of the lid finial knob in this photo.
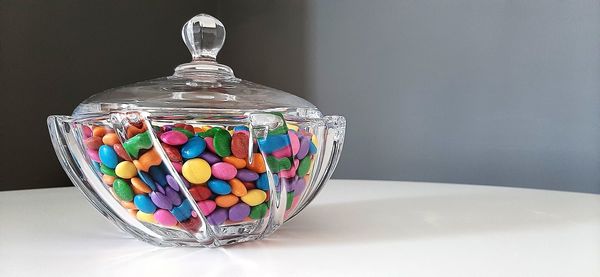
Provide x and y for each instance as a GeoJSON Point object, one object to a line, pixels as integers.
{"type": "Point", "coordinates": [204, 36]}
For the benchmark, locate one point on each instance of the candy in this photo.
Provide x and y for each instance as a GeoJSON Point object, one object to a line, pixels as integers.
{"type": "Point", "coordinates": [290, 200]}
{"type": "Point", "coordinates": [294, 142]}
{"type": "Point", "coordinates": [254, 197]}
{"type": "Point", "coordinates": [246, 175]}
{"type": "Point", "coordinates": [108, 171]}
{"type": "Point", "coordinates": [108, 156]}
{"type": "Point", "coordinates": [133, 130]}
{"type": "Point", "coordinates": [172, 152]}
{"type": "Point", "coordinates": [158, 175]}
{"type": "Point", "coordinates": [224, 171]}
{"type": "Point", "coordinates": [303, 148]}
{"type": "Point", "coordinates": [304, 166]}
{"type": "Point", "coordinates": [237, 187]}
{"type": "Point", "coordinates": [146, 217]}
{"type": "Point", "coordinates": [273, 142]}
{"type": "Point", "coordinates": [139, 186]}
{"type": "Point", "coordinates": [172, 182]}
{"type": "Point", "coordinates": [137, 143]}
{"type": "Point", "coordinates": [313, 148]}
{"type": "Point", "coordinates": [299, 185]}
{"type": "Point", "coordinates": [182, 211]}
{"type": "Point", "coordinates": [236, 162]}
{"type": "Point", "coordinates": [147, 179]}
{"type": "Point", "coordinates": [148, 159]}
{"type": "Point", "coordinates": [92, 143]}
{"type": "Point", "coordinates": [144, 203]}
{"type": "Point", "coordinates": [126, 170]}
{"type": "Point", "coordinates": [87, 131]}
{"type": "Point", "coordinates": [284, 152]}
{"type": "Point", "coordinates": [200, 193]}
{"type": "Point", "coordinates": [193, 148]}
{"type": "Point", "coordinates": [258, 163]}
{"type": "Point", "coordinates": [108, 180]}
{"type": "Point", "coordinates": [110, 139]}
{"type": "Point", "coordinates": [122, 190]}
{"type": "Point", "coordinates": [121, 152]}
{"type": "Point", "coordinates": [173, 196]}
{"type": "Point", "coordinates": [226, 201]}
{"type": "Point", "coordinates": [210, 157]}
{"type": "Point", "coordinates": [277, 165]}
{"type": "Point", "coordinates": [196, 171]}
{"type": "Point", "coordinates": [222, 143]}
{"type": "Point", "coordinates": [99, 131]}
{"type": "Point", "coordinates": [187, 133]}
{"type": "Point", "coordinates": [217, 217]}
{"type": "Point", "coordinates": [207, 207]}
{"type": "Point", "coordinates": [93, 154]}
{"type": "Point", "coordinates": [164, 217]}
{"type": "Point", "coordinates": [173, 138]}
{"type": "Point", "coordinates": [239, 145]}
{"type": "Point", "coordinates": [219, 186]}
{"type": "Point", "coordinates": [161, 200]}
{"type": "Point", "coordinates": [259, 211]}
{"type": "Point", "coordinates": [239, 212]}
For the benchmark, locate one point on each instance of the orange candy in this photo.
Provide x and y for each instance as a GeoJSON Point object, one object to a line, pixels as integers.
{"type": "Point", "coordinates": [108, 180]}
{"type": "Point", "coordinates": [258, 164]}
{"type": "Point", "coordinates": [139, 186]}
{"type": "Point", "coordinates": [148, 159]}
{"type": "Point", "coordinates": [110, 139]}
{"type": "Point", "coordinates": [237, 187]}
{"type": "Point", "coordinates": [133, 130]}
{"type": "Point", "coordinates": [226, 201]}
{"type": "Point", "coordinates": [99, 131]}
{"type": "Point", "coordinates": [236, 162]}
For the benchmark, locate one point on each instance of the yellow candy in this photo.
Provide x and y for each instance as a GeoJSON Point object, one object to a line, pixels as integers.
{"type": "Point", "coordinates": [126, 170]}
{"type": "Point", "coordinates": [292, 127]}
{"type": "Point", "coordinates": [142, 216]}
{"type": "Point", "coordinates": [254, 197]}
{"type": "Point", "coordinates": [196, 171]}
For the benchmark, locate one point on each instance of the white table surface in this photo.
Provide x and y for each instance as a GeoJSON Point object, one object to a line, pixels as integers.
{"type": "Point", "coordinates": [354, 228]}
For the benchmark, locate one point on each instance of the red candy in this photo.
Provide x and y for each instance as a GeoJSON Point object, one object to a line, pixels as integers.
{"type": "Point", "coordinates": [172, 152]}
{"type": "Point", "coordinates": [239, 145]}
{"type": "Point", "coordinates": [200, 193]}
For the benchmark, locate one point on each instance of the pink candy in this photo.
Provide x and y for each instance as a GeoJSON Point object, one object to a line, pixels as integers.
{"type": "Point", "coordinates": [223, 171]}
{"type": "Point", "coordinates": [173, 138]}
{"type": "Point", "coordinates": [165, 217]}
{"type": "Point", "coordinates": [210, 144]}
{"type": "Point", "coordinates": [93, 154]}
{"type": "Point", "coordinates": [290, 173]}
{"type": "Point", "coordinates": [207, 206]}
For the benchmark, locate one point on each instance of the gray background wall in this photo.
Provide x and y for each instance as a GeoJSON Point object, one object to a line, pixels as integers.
{"type": "Point", "coordinates": [483, 92]}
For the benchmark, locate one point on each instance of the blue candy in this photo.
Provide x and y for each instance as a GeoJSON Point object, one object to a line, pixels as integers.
{"type": "Point", "coordinates": [273, 142]}
{"type": "Point", "coordinates": [158, 175]}
{"type": "Point", "coordinates": [183, 211]}
{"type": "Point", "coordinates": [108, 156]}
{"type": "Point", "coordinates": [147, 179]}
{"type": "Point", "coordinates": [144, 203]}
{"type": "Point", "coordinates": [219, 187]}
{"type": "Point", "coordinates": [263, 181]}
{"type": "Point", "coordinates": [193, 148]}
{"type": "Point", "coordinates": [240, 128]}
{"type": "Point", "coordinates": [312, 149]}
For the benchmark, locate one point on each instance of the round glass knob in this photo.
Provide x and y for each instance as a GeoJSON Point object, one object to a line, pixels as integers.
{"type": "Point", "coordinates": [204, 36]}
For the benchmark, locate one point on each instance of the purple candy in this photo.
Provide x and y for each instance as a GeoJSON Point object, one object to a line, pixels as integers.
{"type": "Point", "coordinates": [246, 175]}
{"type": "Point", "coordinates": [161, 200]}
{"type": "Point", "coordinates": [239, 212]}
{"type": "Point", "coordinates": [298, 185]}
{"type": "Point", "coordinates": [173, 196]}
{"type": "Point", "coordinates": [288, 182]}
{"type": "Point", "coordinates": [210, 158]}
{"type": "Point", "coordinates": [160, 188]}
{"type": "Point", "coordinates": [217, 217]}
{"type": "Point", "coordinates": [172, 183]}
{"type": "Point", "coordinates": [304, 147]}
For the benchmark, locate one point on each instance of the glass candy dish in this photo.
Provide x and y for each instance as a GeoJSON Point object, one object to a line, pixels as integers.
{"type": "Point", "coordinates": [199, 158]}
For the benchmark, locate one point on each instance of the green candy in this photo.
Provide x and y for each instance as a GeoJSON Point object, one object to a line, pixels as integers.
{"type": "Point", "coordinates": [277, 165]}
{"type": "Point", "coordinates": [303, 167]}
{"type": "Point", "coordinates": [136, 143]}
{"type": "Point", "coordinates": [210, 132]}
{"type": "Point", "coordinates": [107, 170]}
{"type": "Point", "coordinates": [123, 190]}
{"type": "Point", "coordinates": [290, 200]}
{"type": "Point", "coordinates": [184, 131]}
{"type": "Point", "coordinates": [222, 143]}
{"type": "Point", "coordinates": [259, 211]}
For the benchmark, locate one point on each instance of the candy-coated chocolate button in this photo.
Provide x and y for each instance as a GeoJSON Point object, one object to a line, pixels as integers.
{"type": "Point", "coordinates": [196, 171]}
{"type": "Point", "coordinates": [126, 170]}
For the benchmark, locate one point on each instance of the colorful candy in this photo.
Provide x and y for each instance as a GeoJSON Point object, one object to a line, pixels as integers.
{"type": "Point", "coordinates": [211, 163]}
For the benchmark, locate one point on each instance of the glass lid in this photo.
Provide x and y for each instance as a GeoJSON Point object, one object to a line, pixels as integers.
{"type": "Point", "coordinates": [202, 85]}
